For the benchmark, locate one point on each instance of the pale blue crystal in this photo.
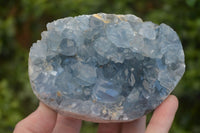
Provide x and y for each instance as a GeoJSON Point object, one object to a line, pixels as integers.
{"type": "Point", "coordinates": [105, 67]}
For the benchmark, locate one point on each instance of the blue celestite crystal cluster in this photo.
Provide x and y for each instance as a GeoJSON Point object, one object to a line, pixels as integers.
{"type": "Point", "coordinates": [105, 67]}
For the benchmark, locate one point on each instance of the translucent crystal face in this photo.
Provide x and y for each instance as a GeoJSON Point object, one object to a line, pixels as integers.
{"type": "Point", "coordinates": [105, 67]}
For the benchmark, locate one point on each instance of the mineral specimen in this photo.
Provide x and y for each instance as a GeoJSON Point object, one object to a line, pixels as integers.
{"type": "Point", "coordinates": [105, 67]}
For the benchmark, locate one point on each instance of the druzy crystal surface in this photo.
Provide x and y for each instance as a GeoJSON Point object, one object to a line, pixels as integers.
{"type": "Point", "coordinates": [105, 67]}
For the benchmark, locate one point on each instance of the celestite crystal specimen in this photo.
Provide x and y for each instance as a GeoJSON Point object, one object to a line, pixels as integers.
{"type": "Point", "coordinates": [105, 67]}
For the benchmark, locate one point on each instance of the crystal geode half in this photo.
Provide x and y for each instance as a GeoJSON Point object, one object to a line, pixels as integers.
{"type": "Point", "coordinates": [105, 67]}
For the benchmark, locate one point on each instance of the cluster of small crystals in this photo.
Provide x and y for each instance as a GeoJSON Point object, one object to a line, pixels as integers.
{"type": "Point", "coordinates": [105, 67]}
